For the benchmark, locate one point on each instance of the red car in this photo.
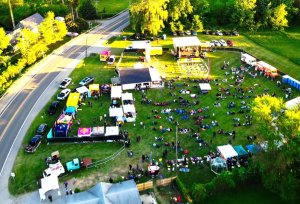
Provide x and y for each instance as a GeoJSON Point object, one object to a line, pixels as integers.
{"type": "Point", "coordinates": [230, 43]}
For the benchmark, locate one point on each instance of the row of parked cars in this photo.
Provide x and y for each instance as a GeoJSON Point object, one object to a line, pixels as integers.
{"type": "Point", "coordinates": [221, 33]}
{"type": "Point", "coordinates": [221, 43]}
{"type": "Point", "coordinates": [183, 33]}
{"type": "Point", "coordinates": [42, 129]}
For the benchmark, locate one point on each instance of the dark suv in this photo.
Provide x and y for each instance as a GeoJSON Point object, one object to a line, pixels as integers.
{"type": "Point", "coordinates": [33, 144]}
{"type": "Point", "coordinates": [42, 129]}
{"type": "Point", "coordinates": [53, 107]}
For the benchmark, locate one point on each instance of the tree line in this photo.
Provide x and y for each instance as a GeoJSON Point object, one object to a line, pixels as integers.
{"type": "Point", "coordinates": [153, 15]}
{"type": "Point", "coordinates": [32, 46]}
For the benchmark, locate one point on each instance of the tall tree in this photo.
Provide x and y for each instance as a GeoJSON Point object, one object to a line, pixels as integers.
{"type": "Point", "coordinates": [244, 11]}
{"type": "Point", "coordinates": [87, 10]}
{"type": "Point", "coordinates": [148, 15]}
{"type": "Point", "coordinates": [4, 40]}
{"type": "Point", "coordinates": [263, 12]}
{"type": "Point", "coordinates": [279, 17]}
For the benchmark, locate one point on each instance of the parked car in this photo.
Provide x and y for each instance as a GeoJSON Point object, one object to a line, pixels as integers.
{"type": "Point", "coordinates": [235, 33]}
{"type": "Point", "coordinates": [227, 33]}
{"type": "Point", "coordinates": [72, 34]}
{"type": "Point", "coordinates": [63, 94]}
{"type": "Point", "coordinates": [216, 43]}
{"type": "Point", "coordinates": [194, 32]}
{"type": "Point", "coordinates": [135, 36]}
{"type": "Point", "coordinates": [65, 83]}
{"type": "Point", "coordinates": [86, 81]}
{"type": "Point", "coordinates": [180, 33]}
{"type": "Point", "coordinates": [223, 43]}
{"type": "Point", "coordinates": [33, 144]}
{"type": "Point", "coordinates": [73, 165]}
{"type": "Point", "coordinates": [205, 32]}
{"type": "Point", "coordinates": [174, 33]}
{"type": "Point", "coordinates": [219, 33]}
{"type": "Point", "coordinates": [53, 107]}
{"type": "Point", "coordinates": [42, 129]}
{"type": "Point", "coordinates": [230, 43]}
{"type": "Point", "coordinates": [211, 32]}
{"type": "Point", "coordinates": [111, 59]}
{"type": "Point", "coordinates": [187, 32]}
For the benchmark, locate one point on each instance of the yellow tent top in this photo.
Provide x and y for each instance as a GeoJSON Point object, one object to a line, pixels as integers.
{"type": "Point", "coordinates": [73, 99]}
{"type": "Point", "coordinates": [94, 87]}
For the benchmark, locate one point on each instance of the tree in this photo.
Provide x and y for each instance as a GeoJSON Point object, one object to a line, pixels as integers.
{"type": "Point", "coordinates": [263, 13]}
{"type": "Point", "coordinates": [199, 193]}
{"type": "Point", "coordinates": [244, 11]}
{"type": "Point", "coordinates": [148, 15]}
{"type": "Point", "coordinates": [197, 23]}
{"type": "Point", "coordinates": [179, 12]}
{"type": "Point", "coordinates": [4, 40]}
{"type": "Point", "coordinates": [87, 10]}
{"type": "Point", "coordinates": [279, 17]}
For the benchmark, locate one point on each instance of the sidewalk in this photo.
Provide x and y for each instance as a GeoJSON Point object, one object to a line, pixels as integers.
{"type": "Point", "coordinates": [33, 197]}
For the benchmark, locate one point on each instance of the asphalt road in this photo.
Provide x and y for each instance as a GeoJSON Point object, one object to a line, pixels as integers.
{"type": "Point", "coordinates": [16, 111]}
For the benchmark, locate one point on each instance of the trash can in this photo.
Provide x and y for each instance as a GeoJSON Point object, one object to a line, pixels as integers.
{"type": "Point", "coordinates": [164, 37]}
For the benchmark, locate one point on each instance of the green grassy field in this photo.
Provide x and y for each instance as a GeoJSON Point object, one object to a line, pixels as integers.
{"type": "Point", "coordinates": [111, 6]}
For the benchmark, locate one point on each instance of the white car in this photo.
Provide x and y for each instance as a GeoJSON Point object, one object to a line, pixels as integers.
{"type": "Point", "coordinates": [111, 59]}
{"type": "Point", "coordinates": [216, 43]}
{"type": "Point", "coordinates": [223, 43]}
{"type": "Point", "coordinates": [219, 33]}
{"type": "Point", "coordinates": [65, 83]}
{"type": "Point", "coordinates": [63, 94]}
{"type": "Point", "coordinates": [188, 32]}
{"type": "Point", "coordinates": [72, 34]}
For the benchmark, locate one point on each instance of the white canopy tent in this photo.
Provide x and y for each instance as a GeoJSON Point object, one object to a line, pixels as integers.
{"type": "Point", "coordinates": [116, 92]}
{"type": "Point", "coordinates": [227, 151]}
{"type": "Point", "coordinates": [248, 59]}
{"type": "Point", "coordinates": [83, 90]}
{"type": "Point", "coordinates": [115, 112]}
{"type": "Point", "coordinates": [265, 65]}
{"type": "Point", "coordinates": [186, 41]}
{"type": "Point", "coordinates": [111, 130]}
{"type": "Point", "coordinates": [127, 96]}
{"type": "Point", "coordinates": [294, 103]}
{"type": "Point", "coordinates": [155, 76]}
{"type": "Point", "coordinates": [129, 109]}
{"type": "Point", "coordinates": [48, 184]}
{"type": "Point", "coordinates": [140, 44]}
{"type": "Point", "coordinates": [129, 113]}
{"type": "Point", "coordinates": [205, 86]}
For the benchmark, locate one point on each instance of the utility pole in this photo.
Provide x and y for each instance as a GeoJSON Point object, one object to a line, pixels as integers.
{"type": "Point", "coordinates": [11, 15]}
{"type": "Point", "coordinates": [86, 46]}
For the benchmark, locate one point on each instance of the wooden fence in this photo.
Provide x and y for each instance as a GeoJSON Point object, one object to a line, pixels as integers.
{"type": "Point", "coordinates": [149, 184]}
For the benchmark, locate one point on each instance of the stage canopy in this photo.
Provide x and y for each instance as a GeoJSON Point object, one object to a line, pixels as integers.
{"type": "Point", "coordinates": [116, 92]}
{"type": "Point", "coordinates": [227, 151]}
{"type": "Point", "coordinates": [186, 41]}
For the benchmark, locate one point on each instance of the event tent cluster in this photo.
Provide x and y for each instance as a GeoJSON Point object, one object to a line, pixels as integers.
{"type": "Point", "coordinates": [122, 106]}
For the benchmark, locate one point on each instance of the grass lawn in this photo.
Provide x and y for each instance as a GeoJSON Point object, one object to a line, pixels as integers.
{"type": "Point", "coordinates": [27, 175]}
{"type": "Point", "coordinates": [111, 6]}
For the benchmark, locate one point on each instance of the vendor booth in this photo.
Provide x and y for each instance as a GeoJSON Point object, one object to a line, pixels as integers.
{"type": "Point", "coordinates": [227, 151]}
{"type": "Point", "coordinates": [98, 131]}
{"type": "Point", "coordinates": [84, 132]}
{"type": "Point", "coordinates": [186, 47]}
{"type": "Point", "coordinates": [105, 89]}
{"type": "Point", "coordinates": [112, 130]}
{"type": "Point", "coordinates": [253, 149]}
{"type": "Point", "coordinates": [94, 89]}
{"type": "Point", "coordinates": [269, 70]}
{"type": "Point", "coordinates": [104, 55]}
{"type": "Point", "coordinates": [64, 119]}
{"type": "Point", "coordinates": [129, 113]}
{"type": "Point", "coordinates": [73, 100]}
{"type": "Point", "coordinates": [218, 165]}
{"type": "Point", "coordinates": [61, 130]}
{"type": "Point", "coordinates": [47, 184]}
{"type": "Point", "coordinates": [205, 87]}
{"type": "Point", "coordinates": [127, 98]}
{"type": "Point", "coordinates": [293, 104]}
{"type": "Point", "coordinates": [116, 95]}
{"type": "Point", "coordinates": [115, 112]}
{"type": "Point", "coordinates": [83, 91]}
{"type": "Point", "coordinates": [153, 169]}
{"type": "Point", "coordinates": [248, 59]}
{"type": "Point", "coordinates": [71, 111]}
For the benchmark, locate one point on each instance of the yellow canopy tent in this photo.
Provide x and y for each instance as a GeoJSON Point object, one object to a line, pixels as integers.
{"type": "Point", "coordinates": [73, 99]}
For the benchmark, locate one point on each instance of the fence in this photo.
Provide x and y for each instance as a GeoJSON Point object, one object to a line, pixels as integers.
{"type": "Point", "coordinates": [149, 184]}
{"type": "Point", "coordinates": [144, 186]}
{"type": "Point", "coordinates": [165, 182]}
{"type": "Point", "coordinates": [86, 139]}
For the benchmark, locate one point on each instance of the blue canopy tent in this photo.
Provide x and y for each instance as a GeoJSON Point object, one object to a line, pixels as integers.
{"type": "Point", "coordinates": [241, 151]}
{"type": "Point", "coordinates": [253, 149]}
{"type": "Point", "coordinates": [61, 130]}
{"type": "Point", "coordinates": [70, 110]}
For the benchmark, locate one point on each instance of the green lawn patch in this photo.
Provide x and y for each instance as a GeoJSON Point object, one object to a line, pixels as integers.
{"type": "Point", "coordinates": [110, 7]}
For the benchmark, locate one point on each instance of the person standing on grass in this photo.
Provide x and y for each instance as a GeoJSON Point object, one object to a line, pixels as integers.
{"type": "Point", "coordinates": [50, 198]}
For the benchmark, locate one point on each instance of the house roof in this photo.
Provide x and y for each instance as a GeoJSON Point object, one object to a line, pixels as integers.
{"type": "Point", "coordinates": [31, 22]}
{"type": "Point", "coordinates": [133, 76]}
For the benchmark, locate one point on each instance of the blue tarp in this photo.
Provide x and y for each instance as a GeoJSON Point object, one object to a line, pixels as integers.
{"type": "Point", "coordinates": [70, 110]}
{"type": "Point", "coordinates": [240, 150]}
{"type": "Point", "coordinates": [253, 148]}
